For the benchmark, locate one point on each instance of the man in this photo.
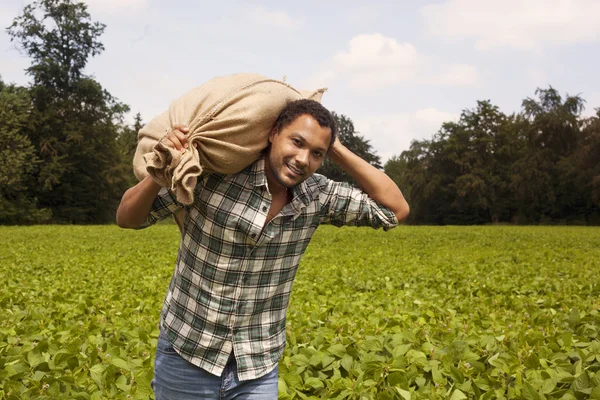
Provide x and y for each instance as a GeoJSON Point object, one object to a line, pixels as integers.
{"type": "Point", "coordinates": [222, 327]}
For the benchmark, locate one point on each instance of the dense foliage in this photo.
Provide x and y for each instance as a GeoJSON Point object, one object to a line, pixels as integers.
{"type": "Point", "coordinates": [76, 172]}
{"type": "Point", "coordinates": [414, 313]}
{"type": "Point", "coordinates": [18, 159]}
{"type": "Point", "coordinates": [66, 152]}
{"type": "Point", "coordinates": [67, 155]}
{"type": "Point", "coordinates": [538, 166]}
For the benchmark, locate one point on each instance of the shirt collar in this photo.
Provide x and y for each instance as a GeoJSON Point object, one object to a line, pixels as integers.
{"type": "Point", "coordinates": [257, 173]}
{"type": "Point", "coordinates": [258, 177]}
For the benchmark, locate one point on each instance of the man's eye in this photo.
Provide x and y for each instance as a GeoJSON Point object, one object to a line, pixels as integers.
{"type": "Point", "coordinates": [296, 141]}
{"type": "Point", "coordinates": [318, 154]}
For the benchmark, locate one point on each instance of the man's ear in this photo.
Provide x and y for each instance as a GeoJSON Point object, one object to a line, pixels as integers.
{"type": "Point", "coordinates": [272, 134]}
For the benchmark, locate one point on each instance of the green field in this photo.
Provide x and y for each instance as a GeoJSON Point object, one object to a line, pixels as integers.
{"type": "Point", "coordinates": [418, 312]}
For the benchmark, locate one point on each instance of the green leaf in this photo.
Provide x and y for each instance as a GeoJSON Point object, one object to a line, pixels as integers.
{"type": "Point", "coordinates": [582, 383]}
{"type": "Point", "coordinates": [326, 360]}
{"type": "Point", "coordinates": [548, 386]}
{"type": "Point", "coordinates": [400, 350]}
{"type": "Point", "coordinates": [282, 387]}
{"type": "Point", "coordinates": [595, 381]}
{"type": "Point", "coordinates": [436, 374]}
{"type": "Point", "coordinates": [456, 374]}
{"type": "Point", "coordinates": [316, 359]}
{"type": "Point", "coordinates": [458, 395]}
{"type": "Point", "coordinates": [496, 362]}
{"type": "Point", "coordinates": [313, 383]}
{"type": "Point", "coordinates": [96, 374]}
{"type": "Point", "coordinates": [119, 363]}
{"type": "Point", "coordinates": [347, 362]}
{"type": "Point", "coordinates": [38, 376]}
{"type": "Point", "coordinates": [396, 378]}
{"type": "Point", "coordinates": [34, 359]}
{"type": "Point", "coordinates": [293, 380]}
{"type": "Point", "coordinates": [405, 394]}
{"type": "Point", "coordinates": [574, 317]}
{"type": "Point", "coordinates": [338, 350]}
{"type": "Point", "coordinates": [568, 396]}
{"type": "Point", "coordinates": [529, 393]}
{"type": "Point", "coordinates": [532, 362]}
{"type": "Point", "coordinates": [121, 383]}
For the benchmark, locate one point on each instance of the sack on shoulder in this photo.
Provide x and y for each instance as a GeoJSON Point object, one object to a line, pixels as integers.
{"type": "Point", "coordinates": [229, 118]}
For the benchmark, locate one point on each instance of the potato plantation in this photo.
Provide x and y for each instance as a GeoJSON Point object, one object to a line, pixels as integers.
{"type": "Point", "coordinates": [414, 313]}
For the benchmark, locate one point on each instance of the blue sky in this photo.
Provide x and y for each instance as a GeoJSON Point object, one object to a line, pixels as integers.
{"type": "Point", "coordinates": [398, 69]}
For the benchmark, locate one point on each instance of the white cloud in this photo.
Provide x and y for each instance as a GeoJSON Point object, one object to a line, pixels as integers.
{"type": "Point", "coordinates": [456, 75]}
{"type": "Point", "coordinates": [115, 7]}
{"type": "Point", "coordinates": [519, 24]}
{"type": "Point", "coordinates": [363, 15]}
{"type": "Point", "coordinates": [256, 20]}
{"type": "Point", "coordinates": [537, 77]}
{"type": "Point", "coordinates": [373, 61]}
{"type": "Point", "coordinates": [390, 134]}
{"type": "Point", "coordinates": [273, 18]}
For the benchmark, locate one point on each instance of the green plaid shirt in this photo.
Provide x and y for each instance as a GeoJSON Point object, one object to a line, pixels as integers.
{"type": "Point", "coordinates": [233, 276]}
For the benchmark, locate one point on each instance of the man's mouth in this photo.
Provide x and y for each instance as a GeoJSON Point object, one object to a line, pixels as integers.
{"type": "Point", "coordinates": [296, 171]}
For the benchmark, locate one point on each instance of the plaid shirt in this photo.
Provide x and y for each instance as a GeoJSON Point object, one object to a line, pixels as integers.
{"type": "Point", "coordinates": [233, 276]}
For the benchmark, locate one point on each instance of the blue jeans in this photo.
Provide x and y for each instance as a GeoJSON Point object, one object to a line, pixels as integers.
{"type": "Point", "coordinates": [178, 379]}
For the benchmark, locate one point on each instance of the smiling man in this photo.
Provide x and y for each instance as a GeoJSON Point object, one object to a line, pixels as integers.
{"type": "Point", "coordinates": [222, 327]}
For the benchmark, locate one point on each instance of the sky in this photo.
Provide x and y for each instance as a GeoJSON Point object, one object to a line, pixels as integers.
{"type": "Point", "coordinates": [398, 69]}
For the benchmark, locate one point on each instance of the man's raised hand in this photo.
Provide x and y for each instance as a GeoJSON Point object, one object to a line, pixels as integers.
{"type": "Point", "coordinates": [177, 138]}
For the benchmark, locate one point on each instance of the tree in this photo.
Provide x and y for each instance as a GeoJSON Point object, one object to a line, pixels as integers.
{"type": "Point", "coordinates": [458, 177]}
{"type": "Point", "coordinates": [554, 122]}
{"type": "Point", "coordinates": [579, 175]}
{"type": "Point", "coordinates": [355, 142]}
{"type": "Point", "coordinates": [480, 147]}
{"type": "Point", "coordinates": [17, 159]}
{"type": "Point", "coordinates": [127, 144]}
{"type": "Point", "coordinates": [538, 166]}
{"type": "Point", "coordinates": [409, 172]}
{"type": "Point", "coordinates": [75, 121]}
{"type": "Point", "coordinates": [553, 133]}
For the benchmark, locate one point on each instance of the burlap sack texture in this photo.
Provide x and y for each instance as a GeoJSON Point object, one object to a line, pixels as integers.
{"type": "Point", "coordinates": [229, 118]}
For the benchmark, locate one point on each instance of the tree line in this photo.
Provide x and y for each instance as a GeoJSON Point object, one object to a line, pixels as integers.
{"type": "Point", "coordinates": [538, 166]}
{"type": "Point", "coordinates": [66, 153]}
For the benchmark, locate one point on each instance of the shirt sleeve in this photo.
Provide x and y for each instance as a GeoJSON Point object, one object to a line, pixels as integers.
{"type": "Point", "coordinates": [343, 204]}
{"type": "Point", "coordinates": [164, 205]}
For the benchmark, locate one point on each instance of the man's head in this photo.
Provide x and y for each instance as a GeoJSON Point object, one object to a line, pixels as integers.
{"type": "Point", "coordinates": [300, 139]}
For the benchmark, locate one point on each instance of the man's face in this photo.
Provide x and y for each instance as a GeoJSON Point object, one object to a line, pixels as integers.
{"type": "Point", "coordinates": [297, 151]}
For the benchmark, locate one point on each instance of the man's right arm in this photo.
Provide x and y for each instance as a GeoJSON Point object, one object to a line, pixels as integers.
{"type": "Point", "coordinates": [136, 203]}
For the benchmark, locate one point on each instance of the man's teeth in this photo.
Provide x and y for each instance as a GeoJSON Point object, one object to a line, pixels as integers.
{"type": "Point", "coordinates": [294, 170]}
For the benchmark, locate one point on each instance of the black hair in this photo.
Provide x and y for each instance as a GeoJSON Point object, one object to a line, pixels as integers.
{"type": "Point", "coordinates": [313, 108]}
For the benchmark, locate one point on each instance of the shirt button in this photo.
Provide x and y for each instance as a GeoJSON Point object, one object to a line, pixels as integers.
{"type": "Point", "coordinates": [253, 235]}
{"type": "Point", "coordinates": [264, 208]}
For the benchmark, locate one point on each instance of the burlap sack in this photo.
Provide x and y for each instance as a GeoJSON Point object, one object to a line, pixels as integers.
{"type": "Point", "coordinates": [229, 118]}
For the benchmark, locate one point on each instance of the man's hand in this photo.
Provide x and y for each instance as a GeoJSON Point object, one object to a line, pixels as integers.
{"type": "Point", "coordinates": [374, 182]}
{"type": "Point", "coordinates": [336, 146]}
{"type": "Point", "coordinates": [137, 201]}
{"type": "Point", "coordinates": [178, 138]}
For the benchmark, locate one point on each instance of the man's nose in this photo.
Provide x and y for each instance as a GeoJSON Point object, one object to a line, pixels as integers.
{"type": "Point", "coordinates": [302, 158]}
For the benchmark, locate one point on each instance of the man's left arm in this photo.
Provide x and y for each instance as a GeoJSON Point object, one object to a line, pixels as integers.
{"type": "Point", "coordinates": [375, 183]}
